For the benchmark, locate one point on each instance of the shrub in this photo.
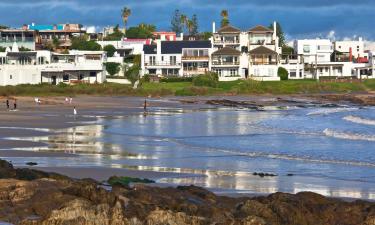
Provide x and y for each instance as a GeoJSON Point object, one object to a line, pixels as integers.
{"type": "Point", "coordinates": [132, 74]}
{"type": "Point", "coordinates": [112, 68]}
{"type": "Point", "coordinates": [146, 78]}
{"type": "Point", "coordinates": [207, 80]}
{"type": "Point", "coordinates": [282, 73]}
{"type": "Point", "coordinates": [110, 49]}
{"type": "Point", "coordinates": [176, 79]}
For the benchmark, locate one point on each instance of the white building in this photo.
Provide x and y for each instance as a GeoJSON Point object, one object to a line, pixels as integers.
{"type": "Point", "coordinates": [356, 48]}
{"type": "Point", "coordinates": [37, 67]}
{"type": "Point", "coordinates": [176, 58]}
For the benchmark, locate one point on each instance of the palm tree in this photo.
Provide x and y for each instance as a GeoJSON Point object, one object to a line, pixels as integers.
{"type": "Point", "coordinates": [125, 13]}
{"type": "Point", "coordinates": [224, 14]}
{"type": "Point", "coordinates": [190, 26]}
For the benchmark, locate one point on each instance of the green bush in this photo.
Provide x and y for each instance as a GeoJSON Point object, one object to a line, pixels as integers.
{"type": "Point", "coordinates": [176, 79]}
{"type": "Point", "coordinates": [110, 49]}
{"type": "Point", "coordinates": [132, 73]}
{"type": "Point", "coordinates": [146, 78]}
{"type": "Point", "coordinates": [282, 73]}
{"type": "Point", "coordinates": [112, 68]}
{"type": "Point", "coordinates": [206, 80]}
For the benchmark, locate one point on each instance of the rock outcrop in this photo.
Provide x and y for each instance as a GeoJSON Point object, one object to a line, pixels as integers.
{"type": "Point", "coordinates": [51, 199]}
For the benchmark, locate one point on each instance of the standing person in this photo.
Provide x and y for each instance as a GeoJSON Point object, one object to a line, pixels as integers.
{"type": "Point", "coordinates": [7, 102]}
{"type": "Point", "coordinates": [74, 112]}
{"type": "Point", "coordinates": [145, 106]}
{"type": "Point", "coordinates": [70, 100]}
{"type": "Point", "coordinates": [15, 104]}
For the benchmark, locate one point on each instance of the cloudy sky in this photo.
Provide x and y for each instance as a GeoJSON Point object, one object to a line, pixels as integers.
{"type": "Point", "coordinates": [299, 18]}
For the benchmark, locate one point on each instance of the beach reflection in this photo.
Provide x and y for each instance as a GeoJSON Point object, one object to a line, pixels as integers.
{"type": "Point", "coordinates": [221, 148]}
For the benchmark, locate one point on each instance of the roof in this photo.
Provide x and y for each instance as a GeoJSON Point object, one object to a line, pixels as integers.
{"type": "Point", "coordinates": [260, 29]}
{"type": "Point", "coordinates": [227, 51]}
{"type": "Point", "coordinates": [149, 49]}
{"type": "Point", "coordinates": [229, 29]}
{"type": "Point", "coordinates": [46, 27]}
{"type": "Point", "coordinates": [261, 50]}
{"type": "Point", "coordinates": [18, 54]}
{"type": "Point", "coordinates": [175, 47]}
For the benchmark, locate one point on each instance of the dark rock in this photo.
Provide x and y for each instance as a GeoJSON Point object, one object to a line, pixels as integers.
{"type": "Point", "coordinates": [31, 163]}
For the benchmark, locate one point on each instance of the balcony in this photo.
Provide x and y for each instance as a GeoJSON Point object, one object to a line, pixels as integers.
{"type": "Point", "coordinates": [164, 63]}
{"type": "Point", "coordinates": [235, 42]}
{"type": "Point", "coordinates": [263, 63]}
{"type": "Point", "coordinates": [195, 58]}
{"type": "Point", "coordinates": [220, 63]}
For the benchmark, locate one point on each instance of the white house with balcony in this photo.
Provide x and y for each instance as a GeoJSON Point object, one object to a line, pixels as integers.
{"type": "Point", "coordinates": [226, 63]}
{"type": "Point", "coordinates": [176, 58]}
{"type": "Point", "coordinates": [35, 67]}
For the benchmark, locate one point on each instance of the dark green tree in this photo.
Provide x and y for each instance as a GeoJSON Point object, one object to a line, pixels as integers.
{"type": "Point", "coordinates": [206, 35]}
{"type": "Point", "coordinates": [112, 68]}
{"type": "Point", "coordinates": [279, 33]}
{"type": "Point", "coordinates": [176, 24]}
{"type": "Point", "coordinates": [141, 31]}
{"type": "Point", "coordinates": [195, 25]}
{"type": "Point", "coordinates": [282, 73]}
{"type": "Point", "coordinates": [80, 43]}
{"type": "Point", "coordinates": [110, 49]}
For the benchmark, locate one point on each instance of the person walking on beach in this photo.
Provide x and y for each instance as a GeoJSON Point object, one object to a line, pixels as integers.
{"type": "Point", "coordinates": [15, 104]}
{"type": "Point", "coordinates": [7, 103]}
{"type": "Point", "coordinates": [145, 106]}
{"type": "Point", "coordinates": [74, 112]}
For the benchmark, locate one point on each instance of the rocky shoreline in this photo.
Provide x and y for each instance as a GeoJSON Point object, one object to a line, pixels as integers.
{"type": "Point", "coordinates": [34, 197]}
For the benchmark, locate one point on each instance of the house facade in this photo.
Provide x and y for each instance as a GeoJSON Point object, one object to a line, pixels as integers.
{"type": "Point", "coordinates": [176, 58]}
{"type": "Point", "coordinates": [36, 67]}
{"type": "Point", "coordinates": [23, 38]}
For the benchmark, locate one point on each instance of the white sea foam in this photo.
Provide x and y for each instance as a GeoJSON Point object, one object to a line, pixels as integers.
{"type": "Point", "coordinates": [348, 136]}
{"type": "Point", "coordinates": [330, 111]}
{"type": "Point", "coordinates": [359, 120]}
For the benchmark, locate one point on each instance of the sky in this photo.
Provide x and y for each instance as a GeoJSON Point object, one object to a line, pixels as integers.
{"type": "Point", "coordinates": [336, 19]}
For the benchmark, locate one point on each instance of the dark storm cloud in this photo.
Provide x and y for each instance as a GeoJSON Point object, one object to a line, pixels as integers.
{"type": "Point", "coordinates": [299, 18]}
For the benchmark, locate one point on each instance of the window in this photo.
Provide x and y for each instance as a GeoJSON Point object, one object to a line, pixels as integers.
{"type": "Point", "coordinates": [162, 58]}
{"type": "Point", "coordinates": [93, 74]}
{"type": "Point", "coordinates": [233, 72]}
{"type": "Point", "coordinates": [66, 77]}
{"type": "Point", "coordinates": [306, 48]}
{"type": "Point", "coordinates": [173, 60]}
{"type": "Point", "coordinates": [293, 73]}
{"type": "Point", "coordinates": [81, 76]}
{"type": "Point", "coordinates": [10, 77]}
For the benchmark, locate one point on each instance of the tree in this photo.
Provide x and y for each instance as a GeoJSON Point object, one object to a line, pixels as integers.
{"type": "Point", "coordinates": [3, 27]}
{"type": "Point", "coordinates": [112, 68]}
{"type": "Point", "coordinates": [195, 25]}
{"type": "Point", "coordinates": [117, 35]}
{"type": "Point", "coordinates": [287, 50]}
{"type": "Point", "coordinates": [206, 35]}
{"type": "Point", "coordinates": [2, 49]}
{"type": "Point", "coordinates": [184, 20]}
{"type": "Point", "coordinates": [80, 43]}
{"type": "Point", "coordinates": [176, 24]}
{"type": "Point", "coordinates": [141, 31]}
{"type": "Point", "coordinates": [23, 49]}
{"type": "Point", "coordinates": [110, 49]}
{"type": "Point", "coordinates": [225, 17]}
{"type": "Point", "coordinates": [132, 74]}
{"type": "Point", "coordinates": [279, 33]}
{"type": "Point", "coordinates": [282, 73]}
{"type": "Point", "coordinates": [125, 13]}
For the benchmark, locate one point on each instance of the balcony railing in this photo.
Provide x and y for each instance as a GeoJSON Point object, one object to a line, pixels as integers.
{"type": "Point", "coordinates": [218, 63]}
{"type": "Point", "coordinates": [195, 57]}
{"type": "Point", "coordinates": [162, 64]}
{"type": "Point", "coordinates": [18, 39]}
{"type": "Point", "coordinates": [226, 41]}
{"type": "Point", "coordinates": [263, 63]}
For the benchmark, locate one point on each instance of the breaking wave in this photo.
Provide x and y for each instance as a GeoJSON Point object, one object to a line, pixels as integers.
{"type": "Point", "coordinates": [348, 136]}
{"type": "Point", "coordinates": [359, 120]}
{"type": "Point", "coordinates": [330, 111]}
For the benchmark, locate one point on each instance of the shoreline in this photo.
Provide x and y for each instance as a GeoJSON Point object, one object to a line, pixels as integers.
{"type": "Point", "coordinates": [45, 120]}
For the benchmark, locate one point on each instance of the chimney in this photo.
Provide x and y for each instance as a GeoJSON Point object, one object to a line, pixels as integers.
{"type": "Point", "coordinates": [350, 54]}
{"type": "Point", "coordinates": [182, 36]}
{"type": "Point", "coordinates": [360, 39]}
{"type": "Point", "coordinates": [158, 47]}
{"type": "Point", "coordinates": [274, 30]}
{"type": "Point", "coordinates": [213, 27]}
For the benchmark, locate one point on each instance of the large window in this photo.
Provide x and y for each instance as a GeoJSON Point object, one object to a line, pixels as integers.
{"type": "Point", "coordinates": [306, 48]}
{"type": "Point", "coordinates": [66, 77]}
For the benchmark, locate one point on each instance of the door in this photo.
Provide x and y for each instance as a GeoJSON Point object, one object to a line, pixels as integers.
{"type": "Point", "coordinates": [54, 80]}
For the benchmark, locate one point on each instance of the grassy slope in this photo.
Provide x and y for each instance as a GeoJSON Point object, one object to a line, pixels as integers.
{"type": "Point", "coordinates": [186, 88]}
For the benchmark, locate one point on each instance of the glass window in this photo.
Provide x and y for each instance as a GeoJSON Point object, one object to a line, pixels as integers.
{"type": "Point", "coordinates": [66, 77]}
{"type": "Point", "coordinates": [306, 48]}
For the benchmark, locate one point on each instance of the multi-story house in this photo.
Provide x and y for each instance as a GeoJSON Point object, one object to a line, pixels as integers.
{"type": "Point", "coordinates": [353, 48]}
{"type": "Point", "coordinates": [176, 58]}
{"type": "Point", "coordinates": [35, 67]}
{"type": "Point", "coordinates": [23, 37]}
{"type": "Point", "coordinates": [62, 32]}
